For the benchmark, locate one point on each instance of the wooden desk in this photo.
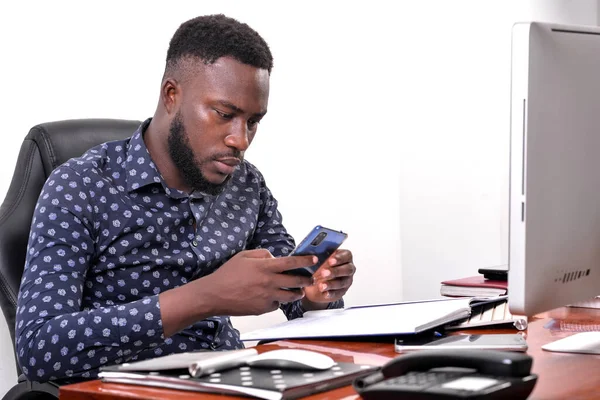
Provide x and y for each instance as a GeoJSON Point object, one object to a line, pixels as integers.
{"type": "Point", "coordinates": [561, 375]}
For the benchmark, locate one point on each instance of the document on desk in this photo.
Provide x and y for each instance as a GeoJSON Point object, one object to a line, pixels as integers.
{"type": "Point", "coordinates": [373, 320]}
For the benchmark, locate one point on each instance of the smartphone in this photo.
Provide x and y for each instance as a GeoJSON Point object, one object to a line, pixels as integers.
{"type": "Point", "coordinates": [503, 341]}
{"type": "Point", "coordinates": [321, 242]}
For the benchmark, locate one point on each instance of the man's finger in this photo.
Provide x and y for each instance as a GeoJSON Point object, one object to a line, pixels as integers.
{"type": "Point", "coordinates": [282, 264]}
{"type": "Point", "coordinates": [328, 273]}
{"type": "Point", "coordinates": [289, 295]}
{"type": "Point", "coordinates": [335, 294]}
{"type": "Point", "coordinates": [336, 284]}
{"type": "Point", "coordinates": [340, 256]}
{"type": "Point", "coordinates": [292, 281]}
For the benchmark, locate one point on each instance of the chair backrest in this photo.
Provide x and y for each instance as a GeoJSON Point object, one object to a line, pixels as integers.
{"type": "Point", "coordinates": [46, 147]}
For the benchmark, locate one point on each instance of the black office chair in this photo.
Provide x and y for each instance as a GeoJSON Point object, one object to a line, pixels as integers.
{"type": "Point", "coordinates": [45, 147]}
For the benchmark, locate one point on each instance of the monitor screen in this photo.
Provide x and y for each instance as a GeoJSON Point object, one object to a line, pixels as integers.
{"type": "Point", "coordinates": [554, 216]}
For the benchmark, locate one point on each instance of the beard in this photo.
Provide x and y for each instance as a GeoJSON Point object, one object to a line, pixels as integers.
{"type": "Point", "coordinates": [183, 157]}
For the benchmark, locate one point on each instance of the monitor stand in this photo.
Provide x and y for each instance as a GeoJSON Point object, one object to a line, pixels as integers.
{"type": "Point", "coordinates": [583, 342]}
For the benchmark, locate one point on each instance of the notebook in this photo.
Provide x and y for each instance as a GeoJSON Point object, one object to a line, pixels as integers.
{"type": "Point", "coordinates": [372, 320]}
{"type": "Point", "coordinates": [256, 382]}
{"type": "Point", "coordinates": [473, 286]}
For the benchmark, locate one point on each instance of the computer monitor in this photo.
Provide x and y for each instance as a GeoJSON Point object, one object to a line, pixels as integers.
{"type": "Point", "coordinates": [554, 212]}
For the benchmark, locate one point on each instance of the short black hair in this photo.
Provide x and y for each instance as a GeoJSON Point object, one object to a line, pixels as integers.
{"type": "Point", "coordinates": [210, 37]}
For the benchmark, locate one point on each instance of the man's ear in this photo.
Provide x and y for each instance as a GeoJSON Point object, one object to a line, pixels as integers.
{"type": "Point", "coordinates": [170, 95]}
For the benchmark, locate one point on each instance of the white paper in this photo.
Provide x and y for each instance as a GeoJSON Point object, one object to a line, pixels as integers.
{"type": "Point", "coordinates": [590, 303]}
{"type": "Point", "coordinates": [583, 342]}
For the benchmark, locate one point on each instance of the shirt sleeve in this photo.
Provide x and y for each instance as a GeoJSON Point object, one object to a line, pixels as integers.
{"type": "Point", "coordinates": [57, 337]}
{"type": "Point", "coordinates": [272, 235]}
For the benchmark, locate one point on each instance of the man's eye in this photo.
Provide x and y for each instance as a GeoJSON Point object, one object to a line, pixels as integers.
{"type": "Point", "coordinates": [224, 115]}
{"type": "Point", "coordinates": [252, 123]}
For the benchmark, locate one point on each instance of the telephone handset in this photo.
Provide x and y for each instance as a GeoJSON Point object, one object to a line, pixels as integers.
{"type": "Point", "coordinates": [451, 374]}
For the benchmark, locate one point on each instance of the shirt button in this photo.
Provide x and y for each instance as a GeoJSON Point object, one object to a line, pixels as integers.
{"type": "Point", "coordinates": [194, 243]}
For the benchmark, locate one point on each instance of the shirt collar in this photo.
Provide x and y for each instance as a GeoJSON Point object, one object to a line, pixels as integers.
{"type": "Point", "coordinates": [139, 166]}
{"type": "Point", "coordinates": [141, 170]}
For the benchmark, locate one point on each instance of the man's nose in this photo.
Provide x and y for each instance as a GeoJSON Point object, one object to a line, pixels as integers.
{"type": "Point", "coordinates": [238, 137]}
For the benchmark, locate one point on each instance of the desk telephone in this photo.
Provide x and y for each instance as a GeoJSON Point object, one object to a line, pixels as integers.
{"type": "Point", "coordinates": [451, 374]}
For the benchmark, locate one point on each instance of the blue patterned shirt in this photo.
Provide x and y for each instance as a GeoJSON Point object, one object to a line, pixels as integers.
{"type": "Point", "coordinates": [108, 235]}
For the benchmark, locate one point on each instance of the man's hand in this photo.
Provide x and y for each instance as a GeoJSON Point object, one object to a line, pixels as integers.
{"type": "Point", "coordinates": [250, 283]}
{"type": "Point", "coordinates": [331, 281]}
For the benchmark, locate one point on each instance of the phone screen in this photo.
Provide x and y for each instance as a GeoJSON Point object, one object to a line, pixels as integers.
{"type": "Point", "coordinates": [509, 341]}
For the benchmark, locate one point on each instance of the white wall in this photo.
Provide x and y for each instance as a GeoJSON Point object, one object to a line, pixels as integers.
{"type": "Point", "coordinates": [454, 147]}
{"type": "Point", "coordinates": [370, 104]}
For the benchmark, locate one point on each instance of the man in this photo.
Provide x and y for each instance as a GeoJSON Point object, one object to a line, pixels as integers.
{"type": "Point", "coordinates": [145, 247]}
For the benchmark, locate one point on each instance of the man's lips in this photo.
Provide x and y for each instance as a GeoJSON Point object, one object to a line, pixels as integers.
{"type": "Point", "coordinates": [227, 165]}
{"type": "Point", "coordinates": [231, 161]}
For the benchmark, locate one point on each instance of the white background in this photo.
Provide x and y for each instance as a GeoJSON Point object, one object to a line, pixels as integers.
{"type": "Point", "coordinates": [387, 120]}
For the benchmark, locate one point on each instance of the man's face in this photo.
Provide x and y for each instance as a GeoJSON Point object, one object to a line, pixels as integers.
{"type": "Point", "coordinates": [220, 106]}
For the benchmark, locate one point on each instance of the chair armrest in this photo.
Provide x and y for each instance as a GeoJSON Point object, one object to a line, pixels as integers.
{"type": "Point", "coordinates": [26, 390]}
